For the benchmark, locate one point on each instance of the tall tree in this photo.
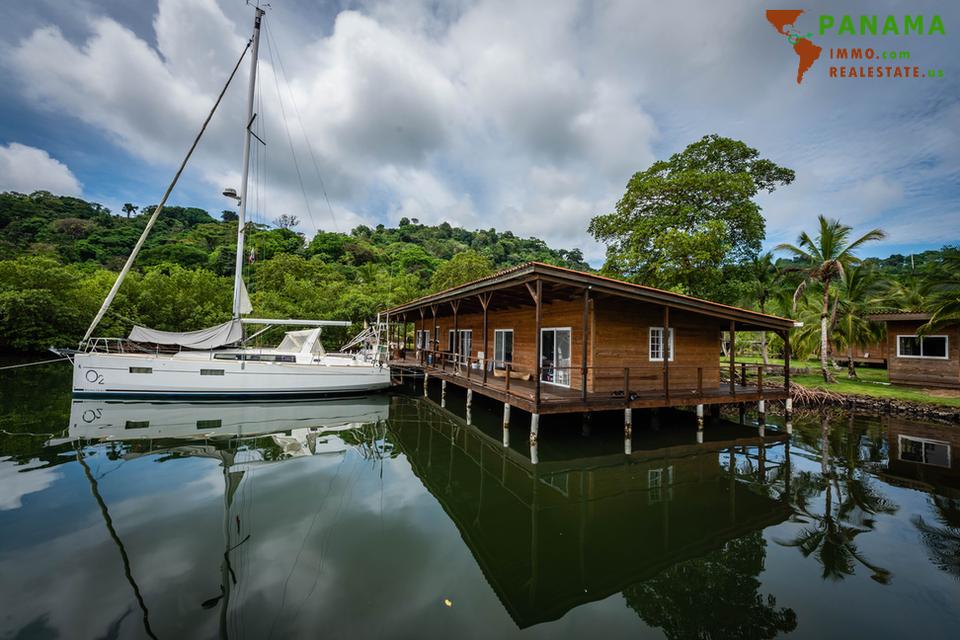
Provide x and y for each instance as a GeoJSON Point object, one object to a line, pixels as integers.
{"type": "Point", "coordinates": [463, 267]}
{"type": "Point", "coordinates": [766, 276]}
{"type": "Point", "coordinates": [824, 260]}
{"type": "Point", "coordinates": [129, 208]}
{"type": "Point", "coordinates": [682, 220]}
{"type": "Point", "coordinates": [945, 286]}
{"type": "Point", "coordinates": [858, 288]}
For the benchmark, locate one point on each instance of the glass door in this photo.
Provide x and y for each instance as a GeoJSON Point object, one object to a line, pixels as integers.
{"type": "Point", "coordinates": [555, 356]}
{"type": "Point", "coordinates": [503, 347]}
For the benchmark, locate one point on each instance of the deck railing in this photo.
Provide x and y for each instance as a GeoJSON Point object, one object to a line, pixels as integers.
{"type": "Point", "coordinates": [563, 384]}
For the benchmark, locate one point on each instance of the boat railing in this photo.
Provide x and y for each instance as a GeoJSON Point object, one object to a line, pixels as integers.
{"type": "Point", "coordinates": [125, 345]}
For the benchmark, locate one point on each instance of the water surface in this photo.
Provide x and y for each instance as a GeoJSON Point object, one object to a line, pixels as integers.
{"type": "Point", "coordinates": [389, 516]}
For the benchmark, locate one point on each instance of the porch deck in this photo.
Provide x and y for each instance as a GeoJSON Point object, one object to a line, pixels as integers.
{"type": "Point", "coordinates": [643, 393]}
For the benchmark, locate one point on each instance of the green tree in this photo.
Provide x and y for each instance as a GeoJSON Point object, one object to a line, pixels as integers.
{"type": "Point", "coordinates": [681, 220]}
{"type": "Point", "coordinates": [463, 267]}
{"type": "Point", "coordinates": [823, 260]}
{"type": "Point", "coordinates": [945, 290]}
{"type": "Point", "coordinates": [858, 289]}
{"type": "Point", "coordinates": [765, 281]}
{"type": "Point", "coordinates": [129, 208]}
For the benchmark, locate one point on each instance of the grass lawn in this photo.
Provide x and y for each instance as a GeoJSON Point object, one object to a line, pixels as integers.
{"type": "Point", "coordinates": [871, 382]}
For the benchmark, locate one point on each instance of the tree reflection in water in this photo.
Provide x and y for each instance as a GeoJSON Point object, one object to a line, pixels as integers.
{"type": "Point", "coordinates": [715, 596]}
{"type": "Point", "coordinates": [850, 504]}
{"type": "Point", "coordinates": [943, 541]}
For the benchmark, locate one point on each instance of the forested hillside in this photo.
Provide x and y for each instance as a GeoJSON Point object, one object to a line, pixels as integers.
{"type": "Point", "coordinates": [59, 255]}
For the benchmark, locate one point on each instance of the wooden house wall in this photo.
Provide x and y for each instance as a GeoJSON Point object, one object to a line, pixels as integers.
{"type": "Point", "coordinates": [560, 314]}
{"type": "Point", "coordinates": [622, 340]}
{"type": "Point", "coordinates": [618, 338]}
{"type": "Point", "coordinates": [923, 371]}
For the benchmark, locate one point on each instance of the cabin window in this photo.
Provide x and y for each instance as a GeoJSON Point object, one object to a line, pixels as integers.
{"type": "Point", "coordinates": [922, 347]}
{"type": "Point", "coordinates": [502, 347]}
{"type": "Point", "coordinates": [656, 344]}
{"type": "Point", "coordinates": [211, 372]}
{"type": "Point", "coordinates": [136, 424]}
{"type": "Point", "coordinates": [932, 452]}
{"type": "Point", "coordinates": [209, 424]}
{"type": "Point", "coordinates": [451, 340]}
{"type": "Point", "coordinates": [555, 356]}
{"type": "Point", "coordinates": [141, 370]}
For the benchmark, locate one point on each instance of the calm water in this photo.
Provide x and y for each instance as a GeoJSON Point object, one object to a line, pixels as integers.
{"type": "Point", "coordinates": [387, 516]}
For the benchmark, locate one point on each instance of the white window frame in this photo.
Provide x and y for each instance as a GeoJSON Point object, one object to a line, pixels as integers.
{"type": "Point", "coordinates": [923, 441]}
{"type": "Point", "coordinates": [946, 340]}
{"type": "Point", "coordinates": [423, 339]}
{"type": "Point", "coordinates": [463, 334]}
{"type": "Point", "coordinates": [673, 351]}
{"type": "Point", "coordinates": [566, 372]}
{"type": "Point", "coordinates": [497, 356]}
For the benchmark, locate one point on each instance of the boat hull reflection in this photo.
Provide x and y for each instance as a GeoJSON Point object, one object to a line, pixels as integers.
{"type": "Point", "coordinates": [129, 420]}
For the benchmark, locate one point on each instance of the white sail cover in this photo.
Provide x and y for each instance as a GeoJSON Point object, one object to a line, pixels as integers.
{"type": "Point", "coordinates": [218, 336]}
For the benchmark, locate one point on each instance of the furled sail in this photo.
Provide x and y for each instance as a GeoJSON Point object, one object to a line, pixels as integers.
{"type": "Point", "coordinates": [245, 305]}
{"type": "Point", "coordinates": [211, 338]}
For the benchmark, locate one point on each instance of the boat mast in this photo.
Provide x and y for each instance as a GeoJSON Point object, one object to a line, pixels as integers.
{"type": "Point", "coordinates": [242, 220]}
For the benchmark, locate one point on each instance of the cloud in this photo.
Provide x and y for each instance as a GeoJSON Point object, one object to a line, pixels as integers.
{"type": "Point", "coordinates": [17, 483]}
{"type": "Point", "coordinates": [529, 117]}
{"type": "Point", "coordinates": [27, 169]}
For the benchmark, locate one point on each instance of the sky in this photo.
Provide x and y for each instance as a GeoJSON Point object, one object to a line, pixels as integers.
{"type": "Point", "coordinates": [522, 115]}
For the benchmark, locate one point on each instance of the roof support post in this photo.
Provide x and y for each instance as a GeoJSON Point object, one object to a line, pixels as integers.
{"type": "Point", "coordinates": [455, 305]}
{"type": "Point", "coordinates": [539, 321]}
{"type": "Point", "coordinates": [733, 352]}
{"type": "Point", "coordinates": [667, 352]}
{"type": "Point", "coordinates": [786, 361]}
{"type": "Point", "coordinates": [583, 351]}
{"type": "Point", "coordinates": [485, 302]}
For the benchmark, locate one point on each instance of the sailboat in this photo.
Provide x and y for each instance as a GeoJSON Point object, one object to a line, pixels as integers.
{"type": "Point", "coordinates": [217, 362]}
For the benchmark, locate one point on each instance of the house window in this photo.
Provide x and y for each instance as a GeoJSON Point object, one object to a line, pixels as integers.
{"type": "Point", "coordinates": [451, 340]}
{"type": "Point", "coordinates": [141, 370]}
{"type": "Point", "coordinates": [656, 344]}
{"type": "Point", "coordinates": [931, 452]}
{"type": "Point", "coordinates": [923, 347]}
{"type": "Point", "coordinates": [503, 347]}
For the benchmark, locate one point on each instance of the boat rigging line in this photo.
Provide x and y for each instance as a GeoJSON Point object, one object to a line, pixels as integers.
{"type": "Point", "coordinates": [156, 212]}
{"type": "Point", "coordinates": [296, 110]}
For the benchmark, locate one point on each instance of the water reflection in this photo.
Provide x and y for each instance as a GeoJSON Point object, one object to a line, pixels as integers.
{"type": "Point", "coordinates": [851, 504]}
{"type": "Point", "coordinates": [555, 535]}
{"type": "Point", "coordinates": [365, 516]}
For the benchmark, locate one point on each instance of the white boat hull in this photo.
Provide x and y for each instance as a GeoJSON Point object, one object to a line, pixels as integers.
{"type": "Point", "coordinates": [199, 375]}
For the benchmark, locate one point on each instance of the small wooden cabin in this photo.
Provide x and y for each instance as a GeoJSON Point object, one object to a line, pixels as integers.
{"type": "Point", "coordinates": [873, 353]}
{"type": "Point", "coordinates": [563, 340]}
{"type": "Point", "coordinates": [931, 360]}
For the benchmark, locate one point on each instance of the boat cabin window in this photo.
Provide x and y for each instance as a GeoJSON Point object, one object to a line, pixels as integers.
{"type": "Point", "coordinates": [255, 357]}
{"type": "Point", "coordinates": [922, 347]}
{"type": "Point", "coordinates": [211, 372]}
{"type": "Point", "coordinates": [656, 344]}
{"type": "Point", "coordinates": [141, 370]}
{"type": "Point", "coordinates": [209, 424]}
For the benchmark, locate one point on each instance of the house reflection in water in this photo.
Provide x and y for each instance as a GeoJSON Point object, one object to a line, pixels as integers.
{"type": "Point", "coordinates": [555, 535]}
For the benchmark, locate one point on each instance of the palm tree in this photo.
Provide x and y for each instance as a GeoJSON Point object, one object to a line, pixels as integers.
{"type": "Point", "coordinates": [765, 277]}
{"type": "Point", "coordinates": [945, 292]}
{"type": "Point", "coordinates": [129, 208]}
{"type": "Point", "coordinates": [825, 259]}
{"type": "Point", "coordinates": [857, 290]}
